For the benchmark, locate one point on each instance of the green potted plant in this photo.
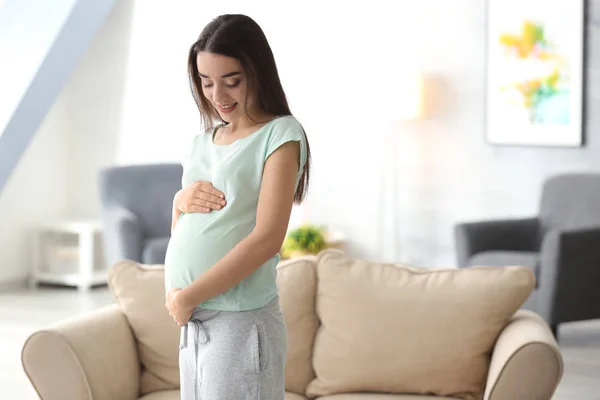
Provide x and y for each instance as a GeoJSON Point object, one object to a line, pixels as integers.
{"type": "Point", "coordinates": [304, 240]}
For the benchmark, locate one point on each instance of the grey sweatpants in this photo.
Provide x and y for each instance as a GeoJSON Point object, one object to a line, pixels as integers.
{"type": "Point", "coordinates": [234, 355]}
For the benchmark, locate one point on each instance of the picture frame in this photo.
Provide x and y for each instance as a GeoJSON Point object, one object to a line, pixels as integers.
{"type": "Point", "coordinates": [535, 72]}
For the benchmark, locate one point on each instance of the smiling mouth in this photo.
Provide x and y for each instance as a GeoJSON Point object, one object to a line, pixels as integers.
{"type": "Point", "coordinates": [228, 108]}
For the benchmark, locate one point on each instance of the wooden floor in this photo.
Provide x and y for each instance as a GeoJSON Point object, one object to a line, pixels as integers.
{"type": "Point", "coordinates": [22, 312]}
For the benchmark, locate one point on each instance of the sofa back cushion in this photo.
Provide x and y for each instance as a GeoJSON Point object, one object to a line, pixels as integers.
{"type": "Point", "coordinates": [297, 282]}
{"type": "Point", "coordinates": [140, 292]}
{"type": "Point", "coordinates": [399, 329]}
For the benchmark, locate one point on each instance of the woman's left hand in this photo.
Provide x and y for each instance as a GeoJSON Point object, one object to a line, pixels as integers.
{"type": "Point", "coordinates": [180, 311]}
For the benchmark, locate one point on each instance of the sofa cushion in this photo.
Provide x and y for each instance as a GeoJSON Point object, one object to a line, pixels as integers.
{"type": "Point", "coordinates": [163, 395]}
{"type": "Point", "coordinates": [377, 396]}
{"type": "Point", "coordinates": [293, 396]}
{"type": "Point", "coordinates": [140, 292]}
{"type": "Point", "coordinates": [400, 329]}
{"type": "Point", "coordinates": [297, 282]}
{"type": "Point", "coordinates": [175, 395]}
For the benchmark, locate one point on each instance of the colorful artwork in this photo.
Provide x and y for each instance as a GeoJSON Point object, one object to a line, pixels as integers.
{"type": "Point", "coordinates": [550, 73]}
{"type": "Point", "coordinates": [535, 64]}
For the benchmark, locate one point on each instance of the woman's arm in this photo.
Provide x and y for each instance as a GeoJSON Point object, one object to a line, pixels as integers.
{"type": "Point", "coordinates": [275, 202]}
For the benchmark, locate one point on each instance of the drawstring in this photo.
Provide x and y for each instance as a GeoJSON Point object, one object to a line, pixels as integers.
{"type": "Point", "coordinates": [183, 339]}
{"type": "Point", "coordinates": [199, 335]}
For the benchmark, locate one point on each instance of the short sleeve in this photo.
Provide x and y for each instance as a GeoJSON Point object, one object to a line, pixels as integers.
{"type": "Point", "coordinates": [287, 130]}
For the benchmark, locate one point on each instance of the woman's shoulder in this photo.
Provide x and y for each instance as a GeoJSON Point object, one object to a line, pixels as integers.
{"type": "Point", "coordinates": [284, 128]}
{"type": "Point", "coordinates": [286, 122]}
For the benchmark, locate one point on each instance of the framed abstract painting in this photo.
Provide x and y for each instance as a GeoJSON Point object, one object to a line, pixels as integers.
{"type": "Point", "coordinates": [535, 72]}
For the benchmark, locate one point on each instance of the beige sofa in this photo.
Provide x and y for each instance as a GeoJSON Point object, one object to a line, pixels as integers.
{"type": "Point", "coordinates": [357, 330]}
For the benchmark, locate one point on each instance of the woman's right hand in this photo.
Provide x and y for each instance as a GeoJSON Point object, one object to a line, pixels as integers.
{"type": "Point", "coordinates": [199, 197]}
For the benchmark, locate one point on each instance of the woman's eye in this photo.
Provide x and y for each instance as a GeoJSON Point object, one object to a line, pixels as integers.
{"type": "Point", "coordinates": [229, 85]}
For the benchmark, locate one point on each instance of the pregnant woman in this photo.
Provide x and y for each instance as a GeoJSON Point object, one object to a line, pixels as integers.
{"type": "Point", "coordinates": [240, 179]}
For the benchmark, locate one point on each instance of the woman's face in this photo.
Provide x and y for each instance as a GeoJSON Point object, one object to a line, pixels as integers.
{"type": "Point", "coordinates": [224, 85]}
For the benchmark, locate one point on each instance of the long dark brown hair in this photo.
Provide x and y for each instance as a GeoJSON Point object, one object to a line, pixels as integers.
{"type": "Point", "coordinates": [240, 37]}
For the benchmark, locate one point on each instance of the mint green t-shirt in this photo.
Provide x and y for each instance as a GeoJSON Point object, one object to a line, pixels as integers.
{"type": "Point", "coordinates": [200, 240]}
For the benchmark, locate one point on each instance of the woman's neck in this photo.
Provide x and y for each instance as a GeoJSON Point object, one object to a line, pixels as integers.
{"type": "Point", "coordinates": [246, 122]}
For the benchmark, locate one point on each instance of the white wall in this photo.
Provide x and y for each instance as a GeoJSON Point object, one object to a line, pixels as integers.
{"type": "Point", "coordinates": [77, 137]}
{"type": "Point", "coordinates": [35, 192]}
{"type": "Point", "coordinates": [96, 98]}
{"type": "Point", "coordinates": [337, 62]}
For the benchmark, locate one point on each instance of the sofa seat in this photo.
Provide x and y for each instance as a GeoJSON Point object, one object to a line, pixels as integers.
{"type": "Point", "coordinates": [174, 395]}
{"type": "Point", "coordinates": [293, 396]}
{"type": "Point", "coordinates": [378, 396]}
{"type": "Point", "coordinates": [162, 395]}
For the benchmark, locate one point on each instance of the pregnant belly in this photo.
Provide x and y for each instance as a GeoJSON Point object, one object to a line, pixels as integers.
{"type": "Point", "coordinates": [198, 242]}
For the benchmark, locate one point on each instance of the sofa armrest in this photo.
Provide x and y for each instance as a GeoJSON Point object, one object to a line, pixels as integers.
{"type": "Point", "coordinates": [122, 234]}
{"type": "Point", "coordinates": [510, 234]}
{"type": "Point", "coordinates": [526, 361]}
{"type": "Point", "coordinates": [92, 357]}
{"type": "Point", "coordinates": [569, 276]}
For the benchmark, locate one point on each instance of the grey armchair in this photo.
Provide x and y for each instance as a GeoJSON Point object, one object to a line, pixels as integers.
{"type": "Point", "coordinates": [136, 205]}
{"type": "Point", "coordinates": [561, 245]}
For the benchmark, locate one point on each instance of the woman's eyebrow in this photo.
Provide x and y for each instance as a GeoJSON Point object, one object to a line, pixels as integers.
{"type": "Point", "coordinates": [227, 75]}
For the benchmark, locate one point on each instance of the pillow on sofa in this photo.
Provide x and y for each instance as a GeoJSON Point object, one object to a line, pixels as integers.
{"type": "Point", "coordinates": [400, 329]}
{"type": "Point", "coordinates": [140, 292]}
{"type": "Point", "coordinates": [297, 282]}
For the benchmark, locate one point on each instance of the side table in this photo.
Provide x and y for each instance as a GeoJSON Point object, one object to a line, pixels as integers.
{"type": "Point", "coordinates": [68, 253]}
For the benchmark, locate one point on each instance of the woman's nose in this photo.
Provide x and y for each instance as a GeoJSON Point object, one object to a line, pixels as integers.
{"type": "Point", "coordinates": [218, 95]}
